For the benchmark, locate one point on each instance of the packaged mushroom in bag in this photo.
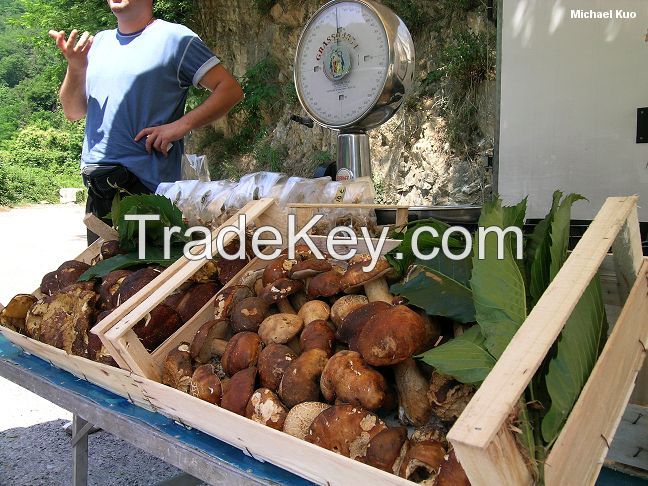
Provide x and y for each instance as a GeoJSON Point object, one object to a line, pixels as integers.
{"type": "Point", "coordinates": [251, 187]}
{"type": "Point", "coordinates": [205, 205]}
{"type": "Point", "coordinates": [358, 191]}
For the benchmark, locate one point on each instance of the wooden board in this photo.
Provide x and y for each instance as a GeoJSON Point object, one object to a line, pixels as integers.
{"type": "Point", "coordinates": [114, 379]}
{"type": "Point", "coordinates": [263, 443]}
{"type": "Point", "coordinates": [592, 423]}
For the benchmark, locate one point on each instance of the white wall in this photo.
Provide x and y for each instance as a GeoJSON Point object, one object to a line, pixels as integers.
{"type": "Point", "coordinates": [569, 94]}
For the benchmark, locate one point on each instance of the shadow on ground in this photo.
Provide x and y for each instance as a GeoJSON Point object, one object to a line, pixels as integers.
{"type": "Point", "coordinates": [42, 455]}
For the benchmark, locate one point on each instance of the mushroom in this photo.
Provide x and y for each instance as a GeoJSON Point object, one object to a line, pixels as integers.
{"type": "Point", "coordinates": [386, 448]}
{"type": "Point", "coordinates": [250, 277]}
{"type": "Point", "coordinates": [228, 298]}
{"type": "Point", "coordinates": [300, 382]}
{"type": "Point", "coordinates": [314, 310]}
{"type": "Point", "coordinates": [347, 378]}
{"type": "Point", "coordinates": [317, 335]}
{"type": "Point", "coordinates": [195, 298]}
{"type": "Point", "coordinates": [301, 416]}
{"type": "Point", "coordinates": [451, 473]}
{"type": "Point", "coordinates": [448, 397]}
{"type": "Point", "coordinates": [110, 249]}
{"type": "Point", "coordinates": [278, 291]}
{"type": "Point", "coordinates": [207, 273]}
{"type": "Point", "coordinates": [228, 269]}
{"type": "Point", "coordinates": [309, 268]}
{"type": "Point", "coordinates": [210, 341]}
{"type": "Point", "coordinates": [350, 327]}
{"type": "Point", "coordinates": [157, 326]}
{"type": "Point", "coordinates": [298, 300]}
{"type": "Point", "coordinates": [345, 429]}
{"type": "Point", "coordinates": [177, 370]}
{"type": "Point", "coordinates": [273, 361]}
{"type": "Point", "coordinates": [276, 269]}
{"type": "Point", "coordinates": [133, 283]}
{"type": "Point", "coordinates": [325, 284]}
{"type": "Point", "coordinates": [206, 385]}
{"type": "Point", "coordinates": [265, 408]}
{"type": "Point", "coordinates": [241, 352]}
{"type": "Point", "coordinates": [423, 460]}
{"type": "Point", "coordinates": [239, 391]}
{"type": "Point", "coordinates": [13, 316]}
{"type": "Point", "coordinates": [374, 283]}
{"type": "Point", "coordinates": [67, 274]}
{"type": "Point", "coordinates": [248, 314]}
{"type": "Point", "coordinates": [391, 336]}
{"type": "Point", "coordinates": [413, 405]}
{"type": "Point", "coordinates": [96, 349]}
{"type": "Point", "coordinates": [110, 285]}
{"type": "Point", "coordinates": [280, 328]}
{"type": "Point", "coordinates": [344, 306]}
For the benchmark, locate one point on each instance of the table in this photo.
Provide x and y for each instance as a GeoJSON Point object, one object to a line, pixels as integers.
{"type": "Point", "coordinates": [192, 451]}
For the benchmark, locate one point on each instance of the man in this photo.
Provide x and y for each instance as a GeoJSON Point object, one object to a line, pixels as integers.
{"type": "Point", "coordinates": [131, 83]}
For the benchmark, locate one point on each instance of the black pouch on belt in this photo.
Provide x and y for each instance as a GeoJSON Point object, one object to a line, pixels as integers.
{"type": "Point", "coordinates": [104, 180]}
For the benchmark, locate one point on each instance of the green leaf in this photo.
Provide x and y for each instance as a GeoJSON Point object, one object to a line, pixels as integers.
{"type": "Point", "coordinates": [438, 294]}
{"type": "Point", "coordinates": [560, 234]}
{"type": "Point", "coordinates": [498, 286]}
{"type": "Point", "coordinates": [154, 256]}
{"type": "Point", "coordinates": [538, 256]}
{"type": "Point", "coordinates": [577, 351]}
{"type": "Point", "coordinates": [464, 358]}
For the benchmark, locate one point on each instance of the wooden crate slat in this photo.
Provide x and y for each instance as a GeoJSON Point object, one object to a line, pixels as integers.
{"type": "Point", "coordinates": [99, 228]}
{"type": "Point", "coordinates": [581, 447]}
{"type": "Point", "coordinates": [487, 411]}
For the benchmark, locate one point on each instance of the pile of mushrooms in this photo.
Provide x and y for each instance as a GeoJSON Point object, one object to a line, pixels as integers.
{"type": "Point", "coordinates": [67, 309]}
{"type": "Point", "coordinates": [322, 351]}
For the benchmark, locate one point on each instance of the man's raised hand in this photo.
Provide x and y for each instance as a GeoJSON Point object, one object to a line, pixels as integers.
{"type": "Point", "coordinates": [76, 54]}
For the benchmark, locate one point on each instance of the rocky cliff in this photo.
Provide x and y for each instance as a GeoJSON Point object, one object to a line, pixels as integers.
{"type": "Point", "coordinates": [433, 151]}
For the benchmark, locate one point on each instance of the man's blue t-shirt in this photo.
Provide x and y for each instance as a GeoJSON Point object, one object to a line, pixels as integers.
{"type": "Point", "coordinates": [138, 81]}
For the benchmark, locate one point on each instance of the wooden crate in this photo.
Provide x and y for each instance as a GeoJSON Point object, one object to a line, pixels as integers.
{"type": "Point", "coordinates": [116, 331]}
{"type": "Point", "coordinates": [484, 444]}
{"type": "Point", "coordinates": [114, 379]}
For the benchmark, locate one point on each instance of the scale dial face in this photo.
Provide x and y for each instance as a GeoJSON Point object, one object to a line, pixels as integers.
{"type": "Point", "coordinates": [342, 63]}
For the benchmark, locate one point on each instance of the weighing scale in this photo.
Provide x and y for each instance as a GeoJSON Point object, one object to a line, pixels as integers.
{"type": "Point", "coordinates": [353, 68]}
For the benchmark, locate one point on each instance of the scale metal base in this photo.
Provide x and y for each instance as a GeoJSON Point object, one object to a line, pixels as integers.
{"type": "Point", "coordinates": [353, 156]}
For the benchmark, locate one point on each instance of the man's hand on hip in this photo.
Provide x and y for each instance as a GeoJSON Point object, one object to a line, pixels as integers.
{"type": "Point", "coordinates": [161, 138]}
{"type": "Point", "coordinates": [76, 54]}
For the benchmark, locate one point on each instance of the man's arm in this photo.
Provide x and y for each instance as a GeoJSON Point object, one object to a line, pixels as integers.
{"type": "Point", "coordinates": [226, 93]}
{"type": "Point", "coordinates": [73, 93]}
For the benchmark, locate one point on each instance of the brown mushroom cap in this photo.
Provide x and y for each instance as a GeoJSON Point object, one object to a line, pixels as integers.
{"type": "Point", "coordinates": [157, 326]}
{"type": "Point", "coordinates": [385, 448]}
{"type": "Point", "coordinates": [300, 382]}
{"type": "Point", "coordinates": [413, 405]}
{"type": "Point", "coordinates": [302, 252]}
{"type": "Point", "coordinates": [13, 316]}
{"type": "Point", "coordinates": [314, 310]}
{"type": "Point", "coordinates": [280, 289]}
{"type": "Point", "coordinates": [239, 390]}
{"type": "Point", "coordinates": [195, 299]}
{"type": "Point", "coordinates": [177, 368]}
{"type": "Point", "coordinates": [391, 336]}
{"type": "Point", "coordinates": [448, 397]}
{"type": "Point", "coordinates": [325, 284]}
{"type": "Point", "coordinates": [273, 361]}
{"type": "Point", "coordinates": [110, 285]}
{"type": "Point", "coordinates": [317, 335]}
{"type": "Point", "coordinates": [301, 416]}
{"type": "Point", "coordinates": [67, 274]}
{"type": "Point", "coordinates": [356, 276]}
{"type": "Point", "coordinates": [241, 352]}
{"type": "Point", "coordinates": [248, 314]}
{"type": "Point", "coordinates": [133, 283]}
{"type": "Point", "coordinates": [345, 305]}
{"type": "Point", "coordinates": [206, 385]}
{"type": "Point", "coordinates": [345, 429]}
{"type": "Point", "coordinates": [309, 268]}
{"type": "Point", "coordinates": [452, 474]}
{"type": "Point", "coordinates": [351, 326]}
{"type": "Point", "coordinates": [280, 328]}
{"type": "Point", "coordinates": [110, 249]}
{"type": "Point", "coordinates": [228, 269]}
{"type": "Point", "coordinates": [276, 269]}
{"type": "Point", "coordinates": [96, 350]}
{"type": "Point", "coordinates": [202, 346]}
{"type": "Point", "coordinates": [347, 378]}
{"type": "Point", "coordinates": [265, 408]}
{"type": "Point", "coordinates": [228, 298]}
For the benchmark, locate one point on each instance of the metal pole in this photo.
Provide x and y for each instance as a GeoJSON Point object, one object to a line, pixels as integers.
{"type": "Point", "coordinates": [80, 430]}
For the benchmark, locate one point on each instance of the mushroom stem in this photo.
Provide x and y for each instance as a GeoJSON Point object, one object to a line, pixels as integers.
{"type": "Point", "coordinates": [378, 290]}
{"type": "Point", "coordinates": [218, 347]}
{"type": "Point", "coordinates": [285, 307]}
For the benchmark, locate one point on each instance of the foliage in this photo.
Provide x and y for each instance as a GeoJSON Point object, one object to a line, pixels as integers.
{"type": "Point", "coordinates": [270, 158]}
{"type": "Point", "coordinates": [264, 6]}
{"type": "Point", "coordinates": [19, 184]}
{"type": "Point", "coordinates": [468, 57]}
{"type": "Point", "coordinates": [322, 157]}
{"type": "Point", "coordinates": [413, 15]}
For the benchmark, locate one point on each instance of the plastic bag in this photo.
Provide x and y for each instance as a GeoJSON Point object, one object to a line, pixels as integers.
{"type": "Point", "coordinates": [301, 190]}
{"type": "Point", "coordinates": [205, 204]}
{"type": "Point", "coordinates": [195, 168]}
{"type": "Point", "coordinates": [178, 192]}
{"type": "Point", "coordinates": [253, 186]}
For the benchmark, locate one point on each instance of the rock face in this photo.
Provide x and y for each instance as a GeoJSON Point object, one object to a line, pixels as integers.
{"type": "Point", "coordinates": [415, 161]}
